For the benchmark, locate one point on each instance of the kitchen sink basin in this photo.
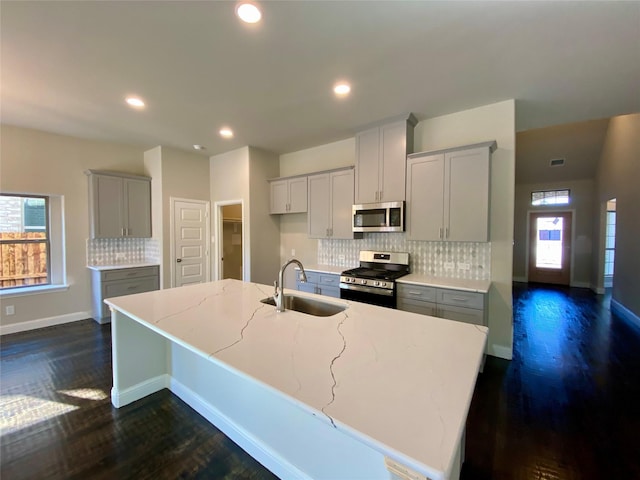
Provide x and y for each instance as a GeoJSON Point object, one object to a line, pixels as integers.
{"type": "Point", "coordinates": [306, 305]}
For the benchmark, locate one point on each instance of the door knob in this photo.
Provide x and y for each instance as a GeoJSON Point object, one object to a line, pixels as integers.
{"type": "Point", "coordinates": [179, 260]}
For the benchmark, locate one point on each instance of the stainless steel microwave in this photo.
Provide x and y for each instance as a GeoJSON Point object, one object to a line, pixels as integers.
{"type": "Point", "coordinates": [379, 217]}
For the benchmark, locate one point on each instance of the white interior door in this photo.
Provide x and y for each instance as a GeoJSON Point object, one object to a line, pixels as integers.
{"type": "Point", "coordinates": [190, 252]}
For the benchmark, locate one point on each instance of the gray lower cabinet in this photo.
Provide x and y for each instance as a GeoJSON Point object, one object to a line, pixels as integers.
{"type": "Point", "coordinates": [463, 306]}
{"type": "Point", "coordinates": [321, 283]}
{"type": "Point", "coordinates": [120, 282]}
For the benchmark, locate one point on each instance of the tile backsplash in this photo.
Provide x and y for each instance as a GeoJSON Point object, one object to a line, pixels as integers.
{"type": "Point", "coordinates": [440, 259]}
{"type": "Point", "coordinates": [122, 251]}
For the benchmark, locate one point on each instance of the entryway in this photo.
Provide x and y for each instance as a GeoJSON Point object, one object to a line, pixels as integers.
{"type": "Point", "coordinates": [190, 226]}
{"type": "Point", "coordinates": [550, 247]}
{"type": "Point", "coordinates": [230, 237]}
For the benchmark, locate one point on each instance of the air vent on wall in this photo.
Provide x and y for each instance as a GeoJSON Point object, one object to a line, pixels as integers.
{"type": "Point", "coordinates": [556, 162]}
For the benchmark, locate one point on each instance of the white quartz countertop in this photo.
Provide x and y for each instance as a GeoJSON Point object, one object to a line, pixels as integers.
{"type": "Point", "coordinates": [480, 286]}
{"type": "Point", "coordinates": [100, 268]}
{"type": "Point", "coordinates": [324, 269]}
{"type": "Point", "coordinates": [400, 382]}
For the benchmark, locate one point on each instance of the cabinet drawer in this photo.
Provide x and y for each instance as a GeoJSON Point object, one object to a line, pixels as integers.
{"type": "Point", "coordinates": [461, 314]}
{"type": "Point", "coordinates": [329, 280]}
{"type": "Point", "coordinates": [417, 292]}
{"type": "Point", "coordinates": [129, 287]}
{"type": "Point", "coordinates": [460, 298]}
{"type": "Point", "coordinates": [416, 306]}
{"type": "Point", "coordinates": [129, 273]}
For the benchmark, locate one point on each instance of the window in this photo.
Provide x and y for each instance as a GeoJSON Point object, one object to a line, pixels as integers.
{"type": "Point", "coordinates": [550, 197]}
{"type": "Point", "coordinates": [610, 239]}
{"type": "Point", "coordinates": [24, 241]}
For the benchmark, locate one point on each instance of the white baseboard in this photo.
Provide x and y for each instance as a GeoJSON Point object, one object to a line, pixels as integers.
{"type": "Point", "coordinates": [624, 312]}
{"type": "Point", "coordinates": [597, 290]}
{"type": "Point", "coordinates": [500, 351]}
{"type": "Point", "coordinates": [43, 322]}
{"type": "Point", "coordinates": [253, 446]}
{"type": "Point", "coordinates": [520, 279]}
{"type": "Point", "coordinates": [120, 398]}
{"type": "Point", "coordinates": [580, 284]}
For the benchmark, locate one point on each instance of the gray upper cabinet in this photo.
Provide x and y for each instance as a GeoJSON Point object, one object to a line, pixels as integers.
{"type": "Point", "coordinates": [119, 205]}
{"type": "Point", "coordinates": [381, 154]}
{"type": "Point", "coordinates": [330, 202]}
{"type": "Point", "coordinates": [448, 194]}
{"type": "Point", "coordinates": [288, 195]}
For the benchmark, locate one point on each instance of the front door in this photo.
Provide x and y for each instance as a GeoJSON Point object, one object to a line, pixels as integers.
{"type": "Point", "coordinates": [190, 233]}
{"type": "Point", "coordinates": [550, 248]}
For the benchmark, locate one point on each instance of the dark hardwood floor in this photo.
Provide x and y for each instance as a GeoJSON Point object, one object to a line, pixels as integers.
{"type": "Point", "coordinates": [566, 407]}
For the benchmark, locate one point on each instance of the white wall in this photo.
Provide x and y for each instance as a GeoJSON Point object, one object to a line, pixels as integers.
{"type": "Point", "coordinates": [293, 226]}
{"type": "Point", "coordinates": [43, 163]}
{"type": "Point", "coordinates": [241, 175]}
{"type": "Point", "coordinates": [581, 206]}
{"type": "Point", "coordinates": [177, 174]}
{"type": "Point", "coordinates": [617, 177]}
{"type": "Point", "coordinates": [491, 122]}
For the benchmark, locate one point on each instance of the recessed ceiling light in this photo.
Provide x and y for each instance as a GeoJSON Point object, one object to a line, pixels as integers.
{"type": "Point", "coordinates": [248, 12]}
{"type": "Point", "coordinates": [226, 132]}
{"type": "Point", "coordinates": [135, 102]}
{"type": "Point", "coordinates": [342, 89]}
{"type": "Point", "coordinates": [199, 147]}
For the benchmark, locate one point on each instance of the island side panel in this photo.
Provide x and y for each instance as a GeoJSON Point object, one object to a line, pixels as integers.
{"type": "Point", "coordinates": [140, 360]}
{"type": "Point", "coordinates": [291, 440]}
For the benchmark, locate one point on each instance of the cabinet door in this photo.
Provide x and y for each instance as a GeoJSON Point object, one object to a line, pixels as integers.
{"type": "Point", "coordinates": [425, 196]}
{"type": "Point", "coordinates": [466, 208]}
{"type": "Point", "coordinates": [279, 196]}
{"type": "Point", "coordinates": [107, 206]}
{"type": "Point", "coordinates": [367, 166]}
{"type": "Point", "coordinates": [341, 204]}
{"type": "Point", "coordinates": [393, 161]}
{"type": "Point", "coordinates": [297, 195]}
{"type": "Point", "coordinates": [318, 218]}
{"type": "Point", "coordinates": [423, 308]}
{"type": "Point", "coordinates": [137, 195]}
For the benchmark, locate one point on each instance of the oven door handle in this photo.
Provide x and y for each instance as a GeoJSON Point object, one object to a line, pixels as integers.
{"type": "Point", "coordinates": [362, 288]}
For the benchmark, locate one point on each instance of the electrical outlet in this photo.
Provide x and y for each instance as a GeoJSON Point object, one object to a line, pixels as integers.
{"type": "Point", "coordinates": [10, 310]}
{"type": "Point", "coordinates": [449, 265]}
{"type": "Point", "coordinates": [293, 252]}
{"type": "Point", "coordinates": [464, 266]}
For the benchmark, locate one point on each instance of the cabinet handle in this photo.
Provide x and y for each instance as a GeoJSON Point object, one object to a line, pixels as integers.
{"type": "Point", "coordinates": [458, 299]}
{"type": "Point", "coordinates": [123, 232]}
{"type": "Point", "coordinates": [133, 287]}
{"type": "Point", "coordinates": [331, 232]}
{"type": "Point", "coordinates": [413, 292]}
{"type": "Point", "coordinates": [381, 192]}
{"type": "Point", "coordinates": [440, 234]}
{"type": "Point", "coordinates": [446, 232]}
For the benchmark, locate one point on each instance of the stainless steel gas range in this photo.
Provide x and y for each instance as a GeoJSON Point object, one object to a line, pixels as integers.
{"type": "Point", "coordinates": [374, 281]}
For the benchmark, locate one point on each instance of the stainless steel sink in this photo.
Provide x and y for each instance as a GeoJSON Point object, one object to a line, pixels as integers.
{"type": "Point", "coordinates": [306, 305]}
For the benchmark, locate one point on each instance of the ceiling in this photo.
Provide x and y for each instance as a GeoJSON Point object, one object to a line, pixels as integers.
{"type": "Point", "coordinates": [67, 66]}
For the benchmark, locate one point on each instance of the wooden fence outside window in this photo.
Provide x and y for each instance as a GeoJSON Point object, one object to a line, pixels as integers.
{"type": "Point", "coordinates": [23, 259]}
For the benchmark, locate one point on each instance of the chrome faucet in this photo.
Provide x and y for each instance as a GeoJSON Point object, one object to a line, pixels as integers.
{"type": "Point", "coordinates": [279, 293]}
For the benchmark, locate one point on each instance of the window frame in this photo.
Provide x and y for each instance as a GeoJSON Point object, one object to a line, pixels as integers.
{"type": "Point", "coordinates": [555, 204]}
{"type": "Point", "coordinates": [46, 241]}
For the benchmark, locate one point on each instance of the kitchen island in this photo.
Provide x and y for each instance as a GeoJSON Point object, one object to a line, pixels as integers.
{"type": "Point", "coordinates": [355, 395]}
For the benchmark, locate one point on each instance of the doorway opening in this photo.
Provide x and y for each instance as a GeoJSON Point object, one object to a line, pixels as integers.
{"type": "Point", "coordinates": [609, 243]}
{"type": "Point", "coordinates": [230, 235]}
{"type": "Point", "coordinates": [550, 248]}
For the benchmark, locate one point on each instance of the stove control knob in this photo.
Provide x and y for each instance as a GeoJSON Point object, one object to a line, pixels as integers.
{"type": "Point", "coordinates": [377, 284]}
{"type": "Point", "coordinates": [363, 282]}
{"type": "Point", "coordinates": [383, 284]}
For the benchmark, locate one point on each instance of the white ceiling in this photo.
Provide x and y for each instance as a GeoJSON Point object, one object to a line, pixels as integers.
{"type": "Point", "coordinates": [67, 66]}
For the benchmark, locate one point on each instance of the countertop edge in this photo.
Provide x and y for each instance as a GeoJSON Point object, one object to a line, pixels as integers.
{"type": "Point", "coordinates": [476, 286]}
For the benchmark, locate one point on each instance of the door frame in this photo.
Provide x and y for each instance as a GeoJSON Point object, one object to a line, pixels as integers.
{"type": "Point", "coordinates": [551, 212]}
{"type": "Point", "coordinates": [218, 217]}
{"type": "Point", "coordinates": [172, 235]}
